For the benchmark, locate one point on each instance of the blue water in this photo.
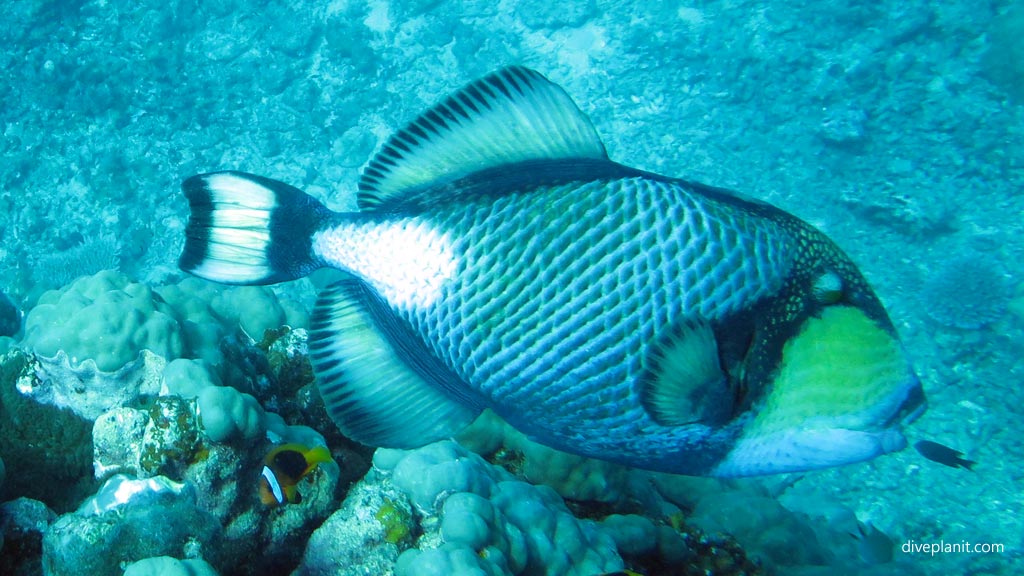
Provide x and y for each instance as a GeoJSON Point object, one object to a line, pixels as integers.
{"type": "Point", "coordinates": [897, 127]}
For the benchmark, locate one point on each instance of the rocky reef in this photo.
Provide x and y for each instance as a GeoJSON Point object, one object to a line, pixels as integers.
{"type": "Point", "coordinates": [150, 459]}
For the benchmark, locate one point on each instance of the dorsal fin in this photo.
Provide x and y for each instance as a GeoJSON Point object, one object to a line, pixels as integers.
{"type": "Point", "coordinates": [512, 115]}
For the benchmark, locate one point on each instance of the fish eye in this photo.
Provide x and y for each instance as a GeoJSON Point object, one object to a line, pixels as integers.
{"type": "Point", "coordinates": [827, 288]}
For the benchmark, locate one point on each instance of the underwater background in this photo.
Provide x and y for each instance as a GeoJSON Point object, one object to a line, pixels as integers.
{"type": "Point", "coordinates": [897, 127]}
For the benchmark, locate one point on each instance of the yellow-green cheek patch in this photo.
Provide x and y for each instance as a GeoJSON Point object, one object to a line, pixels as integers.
{"type": "Point", "coordinates": [837, 368]}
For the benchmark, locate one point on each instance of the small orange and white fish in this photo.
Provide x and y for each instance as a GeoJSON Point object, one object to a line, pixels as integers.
{"type": "Point", "coordinates": [284, 467]}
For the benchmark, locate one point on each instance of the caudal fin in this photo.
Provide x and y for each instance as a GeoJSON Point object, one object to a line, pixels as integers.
{"type": "Point", "coordinates": [246, 229]}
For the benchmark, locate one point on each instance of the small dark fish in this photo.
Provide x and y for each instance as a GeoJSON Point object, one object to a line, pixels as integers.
{"type": "Point", "coordinates": [943, 455]}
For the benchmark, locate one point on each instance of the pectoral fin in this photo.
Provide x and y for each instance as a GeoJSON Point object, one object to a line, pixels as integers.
{"type": "Point", "coordinates": [684, 382]}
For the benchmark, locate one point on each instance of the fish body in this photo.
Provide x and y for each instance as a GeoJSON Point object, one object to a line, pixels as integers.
{"type": "Point", "coordinates": [501, 261]}
{"type": "Point", "coordinates": [283, 468]}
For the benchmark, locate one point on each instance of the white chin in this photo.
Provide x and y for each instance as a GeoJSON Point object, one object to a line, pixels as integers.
{"type": "Point", "coordinates": [801, 450]}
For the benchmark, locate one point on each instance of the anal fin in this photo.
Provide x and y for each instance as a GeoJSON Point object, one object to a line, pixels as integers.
{"type": "Point", "coordinates": [372, 386]}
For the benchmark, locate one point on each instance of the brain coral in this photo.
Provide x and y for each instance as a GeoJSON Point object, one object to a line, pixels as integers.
{"type": "Point", "coordinates": [106, 318]}
{"type": "Point", "coordinates": [968, 292]}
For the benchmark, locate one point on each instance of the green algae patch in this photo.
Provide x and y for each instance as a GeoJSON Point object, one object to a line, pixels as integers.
{"type": "Point", "coordinates": [397, 521]}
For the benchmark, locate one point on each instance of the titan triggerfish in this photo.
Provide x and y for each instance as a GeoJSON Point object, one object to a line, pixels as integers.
{"type": "Point", "coordinates": [500, 260]}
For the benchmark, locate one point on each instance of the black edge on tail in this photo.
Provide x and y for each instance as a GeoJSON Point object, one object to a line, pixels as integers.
{"type": "Point", "coordinates": [247, 229]}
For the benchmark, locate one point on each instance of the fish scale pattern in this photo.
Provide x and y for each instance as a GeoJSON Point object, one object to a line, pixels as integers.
{"type": "Point", "coordinates": [560, 291]}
